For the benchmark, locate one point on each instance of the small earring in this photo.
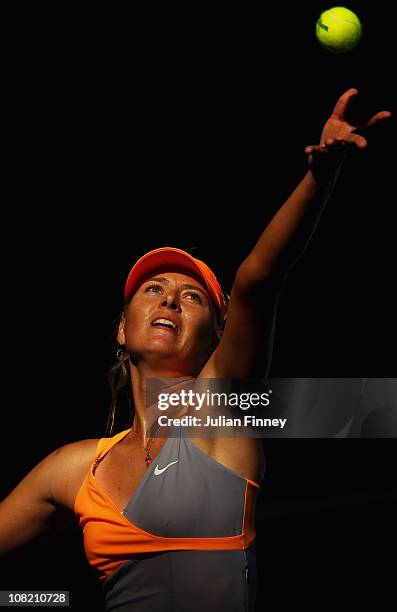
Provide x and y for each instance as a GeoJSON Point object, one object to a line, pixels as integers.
{"type": "Point", "coordinates": [119, 353]}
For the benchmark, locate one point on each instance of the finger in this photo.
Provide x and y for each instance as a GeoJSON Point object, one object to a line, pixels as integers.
{"type": "Point", "coordinates": [312, 148]}
{"type": "Point", "coordinates": [378, 117]}
{"type": "Point", "coordinates": [329, 145]}
{"type": "Point", "coordinates": [343, 102]}
{"type": "Point", "coordinates": [358, 140]}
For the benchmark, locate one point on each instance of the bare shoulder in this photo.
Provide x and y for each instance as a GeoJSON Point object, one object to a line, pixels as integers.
{"type": "Point", "coordinates": [70, 464]}
{"type": "Point", "coordinates": [37, 502]}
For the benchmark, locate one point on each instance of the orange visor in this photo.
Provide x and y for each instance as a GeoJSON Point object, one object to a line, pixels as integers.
{"type": "Point", "coordinates": [175, 260]}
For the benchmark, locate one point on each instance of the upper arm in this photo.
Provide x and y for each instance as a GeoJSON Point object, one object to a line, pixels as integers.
{"type": "Point", "coordinates": [244, 351]}
{"type": "Point", "coordinates": [246, 346]}
{"type": "Point", "coordinates": [28, 510]}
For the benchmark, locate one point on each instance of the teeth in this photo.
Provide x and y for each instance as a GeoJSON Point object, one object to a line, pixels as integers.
{"type": "Point", "coordinates": [166, 322]}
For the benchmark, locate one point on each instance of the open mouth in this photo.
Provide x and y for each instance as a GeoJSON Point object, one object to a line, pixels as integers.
{"type": "Point", "coordinates": [166, 323]}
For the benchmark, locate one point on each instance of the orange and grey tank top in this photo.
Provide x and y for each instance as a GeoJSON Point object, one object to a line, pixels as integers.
{"type": "Point", "coordinates": [185, 540]}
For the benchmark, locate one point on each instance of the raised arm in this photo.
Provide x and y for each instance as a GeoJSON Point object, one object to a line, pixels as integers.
{"type": "Point", "coordinates": [28, 511]}
{"type": "Point", "coordinates": [287, 235]}
{"type": "Point", "coordinates": [246, 345]}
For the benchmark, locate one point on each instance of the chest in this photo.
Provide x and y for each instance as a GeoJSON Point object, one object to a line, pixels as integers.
{"type": "Point", "coordinates": [184, 493]}
{"type": "Point", "coordinates": [119, 473]}
{"type": "Point", "coordinates": [123, 468]}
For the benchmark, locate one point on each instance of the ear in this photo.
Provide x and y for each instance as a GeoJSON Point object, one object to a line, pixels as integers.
{"type": "Point", "coordinates": [120, 333]}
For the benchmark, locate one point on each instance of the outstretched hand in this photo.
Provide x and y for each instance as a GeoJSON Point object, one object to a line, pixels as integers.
{"type": "Point", "coordinates": [337, 136]}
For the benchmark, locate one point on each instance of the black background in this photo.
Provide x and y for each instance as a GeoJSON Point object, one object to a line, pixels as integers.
{"type": "Point", "coordinates": [187, 128]}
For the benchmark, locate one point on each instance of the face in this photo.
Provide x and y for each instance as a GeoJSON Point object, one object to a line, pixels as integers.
{"type": "Point", "coordinates": [170, 323]}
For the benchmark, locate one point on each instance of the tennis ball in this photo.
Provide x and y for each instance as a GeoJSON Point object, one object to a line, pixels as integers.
{"type": "Point", "coordinates": [338, 29]}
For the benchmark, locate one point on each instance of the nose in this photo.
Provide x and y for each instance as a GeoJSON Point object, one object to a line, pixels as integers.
{"type": "Point", "coordinates": [171, 300]}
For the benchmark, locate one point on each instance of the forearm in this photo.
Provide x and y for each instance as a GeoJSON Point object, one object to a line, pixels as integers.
{"type": "Point", "coordinates": [286, 236]}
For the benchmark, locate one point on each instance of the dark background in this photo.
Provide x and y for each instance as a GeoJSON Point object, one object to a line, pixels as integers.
{"type": "Point", "coordinates": [187, 128]}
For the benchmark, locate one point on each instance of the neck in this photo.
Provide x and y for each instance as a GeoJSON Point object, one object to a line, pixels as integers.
{"type": "Point", "coordinates": [139, 374]}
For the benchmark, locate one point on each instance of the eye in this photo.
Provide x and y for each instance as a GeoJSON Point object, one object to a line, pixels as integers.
{"type": "Point", "coordinates": [153, 287]}
{"type": "Point", "coordinates": [195, 297]}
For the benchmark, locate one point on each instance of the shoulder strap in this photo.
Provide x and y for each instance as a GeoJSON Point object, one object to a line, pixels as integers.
{"type": "Point", "coordinates": [105, 444]}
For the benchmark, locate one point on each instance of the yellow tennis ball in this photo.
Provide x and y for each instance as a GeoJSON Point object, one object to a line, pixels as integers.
{"type": "Point", "coordinates": [338, 29]}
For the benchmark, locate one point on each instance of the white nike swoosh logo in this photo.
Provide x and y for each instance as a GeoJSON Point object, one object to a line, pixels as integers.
{"type": "Point", "coordinates": [159, 471]}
